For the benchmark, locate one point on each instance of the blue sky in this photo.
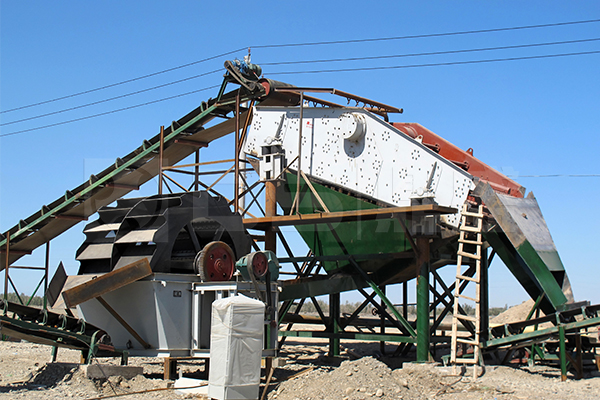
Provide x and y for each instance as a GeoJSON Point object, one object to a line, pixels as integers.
{"type": "Point", "coordinates": [528, 117]}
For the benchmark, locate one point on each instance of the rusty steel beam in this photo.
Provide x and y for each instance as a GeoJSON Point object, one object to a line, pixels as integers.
{"type": "Point", "coordinates": [264, 223]}
{"type": "Point", "coordinates": [194, 143]}
{"type": "Point", "coordinates": [107, 283]}
{"type": "Point", "coordinates": [349, 96]}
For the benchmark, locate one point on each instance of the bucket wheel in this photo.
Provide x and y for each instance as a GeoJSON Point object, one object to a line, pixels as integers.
{"type": "Point", "coordinates": [215, 262]}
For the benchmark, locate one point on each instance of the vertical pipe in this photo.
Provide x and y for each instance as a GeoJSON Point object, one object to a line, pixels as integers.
{"type": "Point", "coordinates": [236, 183]}
{"type": "Point", "coordinates": [423, 336]}
{"type": "Point", "coordinates": [197, 171]}
{"type": "Point", "coordinates": [46, 267]}
{"type": "Point", "coordinates": [6, 266]}
{"type": "Point", "coordinates": [160, 159]}
{"type": "Point", "coordinates": [334, 318]}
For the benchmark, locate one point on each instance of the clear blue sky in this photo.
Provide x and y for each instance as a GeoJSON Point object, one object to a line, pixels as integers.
{"type": "Point", "coordinates": [529, 117]}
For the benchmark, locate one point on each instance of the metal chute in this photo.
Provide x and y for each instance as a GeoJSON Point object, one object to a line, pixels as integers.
{"type": "Point", "coordinates": [522, 240]}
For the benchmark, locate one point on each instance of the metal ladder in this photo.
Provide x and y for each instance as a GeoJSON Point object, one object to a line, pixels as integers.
{"type": "Point", "coordinates": [470, 239]}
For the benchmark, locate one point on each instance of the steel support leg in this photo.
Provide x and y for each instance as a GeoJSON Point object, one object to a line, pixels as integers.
{"type": "Point", "coordinates": [484, 304]}
{"type": "Point", "coordinates": [382, 325]}
{"type": "Point", "coordinates": [270, 211]}
{"type": "Point", "coordinates": [405, 299]}
{"type": "Point", "coordinates": [563, 353]}
{"type": "Point", "coordinates": [334, 318]}
{"type": "Point", "coordinates": [423, 335]}
{"type": "Point", "coordinates": [54, 353]}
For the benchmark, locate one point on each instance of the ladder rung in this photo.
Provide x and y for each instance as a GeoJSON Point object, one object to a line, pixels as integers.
{"type": "Point", "coordinates": [469, 255]}
{"type": "Point", "coordinates": [466, 361]}
{"type": "Point", "coordinates": [468, 298]}
{"type": "Point", "coordinates": [466, 241]}
{"type": "Point", "coordinates": [466, 278]}
{"type": "Point", "coordinates": [476, 229]}
{"type": "Point", "coordinates": [466, 317]}
{"type": "Point", "coordinates": [467, 341]}
{"type": "Point", "coordinates": [472, 214]}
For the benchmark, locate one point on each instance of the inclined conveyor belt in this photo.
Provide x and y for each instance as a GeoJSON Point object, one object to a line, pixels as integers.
{"type": "Point", "coordinates": [58, 330]}
{"type": "Point", "coordinates": [181, 139]}
{"type": "Point", "coordinates": [517, 335]}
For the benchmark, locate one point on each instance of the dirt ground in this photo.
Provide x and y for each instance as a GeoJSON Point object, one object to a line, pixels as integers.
{"type": "Point", "coordinates": [363, 371]}
{"type": "Point", "coordinates": [308, 374]}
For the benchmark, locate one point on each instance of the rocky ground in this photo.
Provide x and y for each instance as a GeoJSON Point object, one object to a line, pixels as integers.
{"type": "Point", "coordinates": [382, 377]}
{"type": "Point", "coordinates": [308, 374]}
{"type": "Point", "coordinates": [363, 371]}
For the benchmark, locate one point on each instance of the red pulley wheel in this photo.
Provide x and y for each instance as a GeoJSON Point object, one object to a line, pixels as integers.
{"type": "Point", "coordinates": [259, 263]}
{"type": "Point", "coordinates": [215, 262]}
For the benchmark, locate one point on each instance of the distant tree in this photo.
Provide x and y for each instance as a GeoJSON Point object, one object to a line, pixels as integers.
{"type": "Point", "coordinates": [13, 298]}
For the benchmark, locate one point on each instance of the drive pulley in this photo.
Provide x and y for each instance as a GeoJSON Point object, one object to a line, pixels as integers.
{"type": "Point", "coordinates": [215, 262]}
{"type": "Point", "coordinates": [258, 264]}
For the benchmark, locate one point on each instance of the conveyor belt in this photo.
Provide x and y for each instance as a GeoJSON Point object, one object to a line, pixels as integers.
{"type": "Point", "coordinates": [181, 139]}
{"type": "Point", "coordinates": [571, 321]}
{"type": "Point", "coordinates": [44, 327]}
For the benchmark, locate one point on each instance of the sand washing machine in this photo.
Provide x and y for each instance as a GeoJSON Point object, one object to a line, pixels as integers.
{"type": "Point", "coordinates": [191, 242]}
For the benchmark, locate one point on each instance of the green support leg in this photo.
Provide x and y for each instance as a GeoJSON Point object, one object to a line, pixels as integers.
{"type": "Point", "coordinates": [484, 304]}
{"type": "Point", "coordinates": [423, 335]}
{"type": "Point", "coordinates": [563, 354]}
{"type": "Point", "coordinates": [125, 357]}
{"type": "Point", "coordinates": [382, 325]}
{"type": "Point", "coordinates": [423, 314]}
{"type": "Point", "coordinates": [334, 316]}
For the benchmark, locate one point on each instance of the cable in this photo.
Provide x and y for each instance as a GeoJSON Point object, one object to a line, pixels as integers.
{"type": "Point", "coordinates": [426, 35]}
{"type": "Point", "coordinates": [557, 176]}
{"type": "Point", "coordinates": [112, 98]}
{"type": "Point", "coordinates": [436, 64]}
{"type": "Point", "coordinates": [319, 71]}
{"type": "Point", "coordinates": [431, 53]}
{"type": "Point", "coordinates": [109, 112]}
{"type": "Point", "coordinates": [308, 62]}
{"type": "Point", "coordinates": [123, 82]}
{"type": "Point", "coordinates": [306, 44]}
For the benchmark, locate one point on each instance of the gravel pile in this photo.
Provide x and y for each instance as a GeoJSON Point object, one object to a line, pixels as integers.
{"type": "Point", "coordinates": [514, 314]}
{"type": "Point", "coordinates": [368, 378]}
